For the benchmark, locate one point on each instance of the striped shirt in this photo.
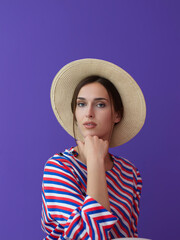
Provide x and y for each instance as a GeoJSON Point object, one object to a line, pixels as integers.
{"type": "Point", "coordinates": [69, 213]}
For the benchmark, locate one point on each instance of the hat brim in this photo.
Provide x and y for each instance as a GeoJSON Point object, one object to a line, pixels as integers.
{"type": "Point", "coordinates": [70, 75]}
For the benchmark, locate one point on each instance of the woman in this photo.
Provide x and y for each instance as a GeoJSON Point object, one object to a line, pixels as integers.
{"type": "Point", "coordinates": [87, 192]}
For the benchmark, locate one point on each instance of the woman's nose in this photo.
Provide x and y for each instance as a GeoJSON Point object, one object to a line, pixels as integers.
{"type": "Point", "coordinates": [90, 112]}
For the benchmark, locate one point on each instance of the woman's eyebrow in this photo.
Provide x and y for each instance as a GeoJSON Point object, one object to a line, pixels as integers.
{"type": "Point", "coordinates": [99, 99]}
{"type": "Point", "coordinates": [96, 99]}
{"type": "Point", "coordinates": [81, 98]}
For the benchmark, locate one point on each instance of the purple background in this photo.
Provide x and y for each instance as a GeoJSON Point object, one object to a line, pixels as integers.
{"type": "Point", "coordinates": [36, 39]}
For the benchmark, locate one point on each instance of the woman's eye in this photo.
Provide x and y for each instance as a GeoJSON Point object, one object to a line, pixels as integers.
{"type": "Point", "coordinates": [101, 105]}
{"type": "Point", "coordinates": [80, 104]}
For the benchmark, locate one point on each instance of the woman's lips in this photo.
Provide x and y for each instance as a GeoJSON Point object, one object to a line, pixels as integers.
{"type": "Point", "coordinates": [89, 125]}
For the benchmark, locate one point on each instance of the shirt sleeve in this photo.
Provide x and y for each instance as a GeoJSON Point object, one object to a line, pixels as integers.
{"type": "Point", "coordinates": [66, 212]}
{"type": "Point", "coordinates": [136, 200]}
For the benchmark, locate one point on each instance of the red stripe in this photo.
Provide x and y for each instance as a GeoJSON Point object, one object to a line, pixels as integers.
{"type": "Point", "coordinates": [64, 199]}
{"type": "Point", "coordinates": [60, 208]}
{"type": "Point", "coordinates": [60, 174]}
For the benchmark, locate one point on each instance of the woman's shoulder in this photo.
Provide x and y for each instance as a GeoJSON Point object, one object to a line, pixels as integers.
{"type": "Point", "coordinates": [123, 161]}
{"type": "Point", "coordinates": [125, 164]}
{"type": "Point", "coordinates": [63, 159]}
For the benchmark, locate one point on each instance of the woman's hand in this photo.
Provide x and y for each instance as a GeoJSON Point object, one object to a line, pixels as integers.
{"type": "Point", "coordinates": [93, 150]}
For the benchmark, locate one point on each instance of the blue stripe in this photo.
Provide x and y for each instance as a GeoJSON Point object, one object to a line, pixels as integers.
{"type": "Point", "coordinates": [96, 211]}
{"type": "Point", "coordinates": [61, 192]}
{"type": "Point", "coordinates": [59, 210]}
{"type": "Point", "coordinates": [62, 184]}
{"type": "Point", "coordinates": [62, 201]}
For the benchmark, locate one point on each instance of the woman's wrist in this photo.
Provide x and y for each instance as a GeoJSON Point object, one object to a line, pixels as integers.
{"type": "Point", "coordinates": [95, 164]}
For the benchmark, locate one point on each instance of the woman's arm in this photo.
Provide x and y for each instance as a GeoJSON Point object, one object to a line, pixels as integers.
{"type": "Point", "coordinates": [95, 150]}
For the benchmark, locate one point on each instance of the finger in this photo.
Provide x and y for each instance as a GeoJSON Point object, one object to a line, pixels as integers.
{"type": "Point", "coordinates": [79, 142]}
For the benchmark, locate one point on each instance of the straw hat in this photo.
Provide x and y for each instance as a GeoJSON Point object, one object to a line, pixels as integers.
{"type": "Point", "coordinates": [70, 75]}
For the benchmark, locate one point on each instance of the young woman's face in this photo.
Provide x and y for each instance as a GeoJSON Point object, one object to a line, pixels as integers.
{"type": "Point", "coordinates": [94, 113]}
